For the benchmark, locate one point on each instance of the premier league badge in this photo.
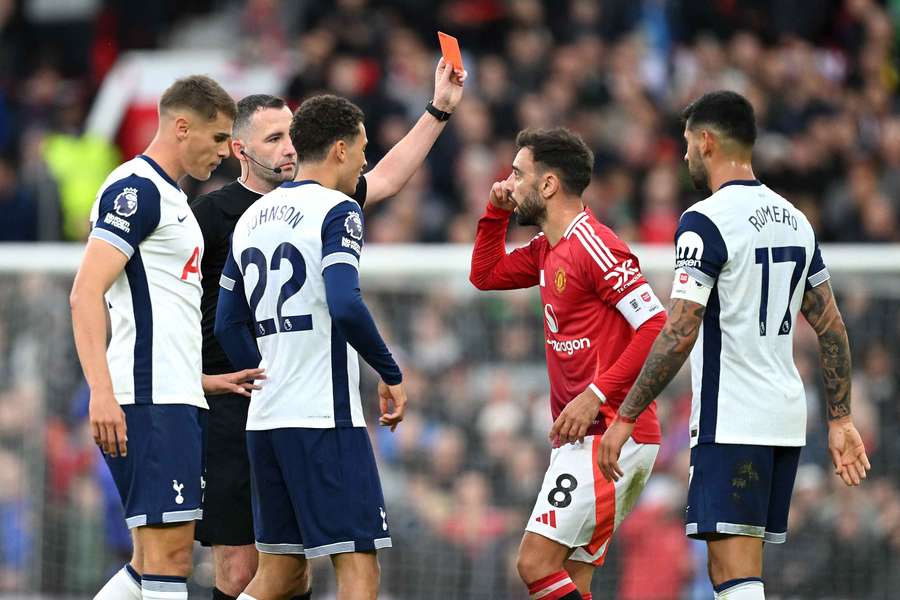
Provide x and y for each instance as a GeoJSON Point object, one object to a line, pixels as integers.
{"type": "Point", "coordinates": [353, 225]}
{"type": "Point", "coordinates": [125, 203]}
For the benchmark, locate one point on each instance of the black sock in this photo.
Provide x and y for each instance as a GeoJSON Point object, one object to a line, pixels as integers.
{"type": "Point", "coordinates": [220, 595]}
{"type": "Point", "coordinates": [306, 596]}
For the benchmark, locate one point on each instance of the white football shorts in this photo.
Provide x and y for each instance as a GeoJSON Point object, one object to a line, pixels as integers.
{"type": "Point", "coordinates": [578, 507]}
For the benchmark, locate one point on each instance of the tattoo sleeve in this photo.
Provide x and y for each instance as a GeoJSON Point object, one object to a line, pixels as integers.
{"type": "Point", "coordinates": [822, 312]}
{"type": "Point", "coordinates": [668, 353]}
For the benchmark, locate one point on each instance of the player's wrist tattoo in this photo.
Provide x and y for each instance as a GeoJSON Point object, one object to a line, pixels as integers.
{"type": "Point", "coordinates": [667, 355]}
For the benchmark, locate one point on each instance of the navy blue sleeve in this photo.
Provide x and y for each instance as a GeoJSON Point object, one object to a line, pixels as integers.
{"type": "Point", "coordinates": [818, 272]}
{"type": "Point", "coordinates": [353, 320]}
{"type": "Point", "coordinates": [232, 315]}
{"type": "Point", "coordinates": [128, 213]}
{"type": "Point", "coordinates": [342, 235]}
{"type": "Point", "coordinates": [700, 249]}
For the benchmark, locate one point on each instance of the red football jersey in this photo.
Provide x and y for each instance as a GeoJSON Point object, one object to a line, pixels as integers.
{"type": "Point", "coordinates": [595, 298]}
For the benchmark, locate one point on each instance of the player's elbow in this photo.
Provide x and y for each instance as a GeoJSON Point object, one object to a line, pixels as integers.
{"type": "Point", "coordinates": [78, 295]}
{"type": "Point", "coordinates": [343, 311]}
{"type": "Point", "coordinates": [479, 280]}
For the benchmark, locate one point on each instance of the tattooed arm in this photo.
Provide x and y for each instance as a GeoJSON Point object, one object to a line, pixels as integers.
{"type": "Point", "coordinates": [668, 353]}
{"type": "Point", "coordinates": [822, 312]}
{"type": "Point", "coordinates": [844, 442]}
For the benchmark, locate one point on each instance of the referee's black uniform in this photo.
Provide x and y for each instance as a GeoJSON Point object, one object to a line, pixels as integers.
{"type": "Point", "coordinates": [227, 512]}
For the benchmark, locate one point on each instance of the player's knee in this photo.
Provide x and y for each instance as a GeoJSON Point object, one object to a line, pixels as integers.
{"type": "Point", "coordinates": [530, 566]}
{"type": "Point", "coordinates": [174, 560]}
{"type": "Point", "coordinates": [235, 578]}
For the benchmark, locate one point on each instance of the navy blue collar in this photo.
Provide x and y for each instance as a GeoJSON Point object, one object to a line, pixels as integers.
{"type": "Point", "coordinates": [741, 182]}
{"type": "Point", "coordinates": [291, 184]}
{"type": "Point", "coordinates": [159, 170]}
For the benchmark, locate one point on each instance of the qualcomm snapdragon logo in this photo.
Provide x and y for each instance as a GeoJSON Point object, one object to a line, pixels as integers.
{"type": "Point", "coordinates": [569, 346]}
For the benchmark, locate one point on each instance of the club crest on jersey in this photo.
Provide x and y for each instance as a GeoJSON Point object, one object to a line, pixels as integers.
{"type": "Point", "coordinates": [353, 225]}
{"type": "Point", "coordinates": [560, 280]}
{"type": "Point", "coordinates": [125, 203]}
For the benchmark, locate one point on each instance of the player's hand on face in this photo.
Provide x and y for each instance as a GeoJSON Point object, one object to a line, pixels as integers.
{"type": "Point", "coordinates": [611, 448]}
{"type": "Point", "coordinates": [239, 382]}
{"type": "Point", "coordinates": [848, 453]}
{"type": "Point", "coordinates": [501, 196]}
{"type": "Point", "coordinates": [108, 424]}
{"type": "Point", "coordinates": [387, 395]}
{"type": "Point", "coordinates": [448, 86]}
{"type": "Point", "coordinates": [572, 423]}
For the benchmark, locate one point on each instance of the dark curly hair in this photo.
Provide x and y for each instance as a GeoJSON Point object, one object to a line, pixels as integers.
{"type": "Point", "coordinates": [727, 111]}
{"type": "Point", "coordinates": [321, 121]}
{"type": "Point", "coordinates": [563, 152]}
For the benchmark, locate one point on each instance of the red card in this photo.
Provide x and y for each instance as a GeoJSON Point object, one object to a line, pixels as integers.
{"type": "Point", "coordinates": [450, 50]}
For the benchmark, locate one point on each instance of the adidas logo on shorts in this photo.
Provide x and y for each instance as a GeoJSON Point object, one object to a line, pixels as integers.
{"type": "Point", "coordinates": [548, 518]}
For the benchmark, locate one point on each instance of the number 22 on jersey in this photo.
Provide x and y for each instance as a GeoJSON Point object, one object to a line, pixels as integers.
{"type": "Point", "coordinates": [280, 323]}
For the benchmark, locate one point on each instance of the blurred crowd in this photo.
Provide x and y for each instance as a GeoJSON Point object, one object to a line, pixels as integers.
{"type": "Point", "coordinates": [462, 471]}
{"type": "Point", "coordinates": [822, 75]}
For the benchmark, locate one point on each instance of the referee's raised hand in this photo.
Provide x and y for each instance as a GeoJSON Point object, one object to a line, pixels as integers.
{"type": "Point", "coordinates": [108, 424]}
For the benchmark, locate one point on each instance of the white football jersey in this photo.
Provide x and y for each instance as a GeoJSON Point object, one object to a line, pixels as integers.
{"type": "Point", "coordinates": [154, 305]}
{"type": "Point", "coordinates": [281, 246]}
{"type": "Point", "coordinates": [749, 255]}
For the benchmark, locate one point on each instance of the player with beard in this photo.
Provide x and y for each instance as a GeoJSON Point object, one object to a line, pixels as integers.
{"type": "Point", "coordinates": [262, 144]}
{"type": "Point", "coordinates": [600, 319]}
{"type": "Point", "coordinates": [747, 261]}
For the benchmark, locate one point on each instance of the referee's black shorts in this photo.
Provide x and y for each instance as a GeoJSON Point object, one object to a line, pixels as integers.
{"type": "Point", "coordinates": [227, 512]}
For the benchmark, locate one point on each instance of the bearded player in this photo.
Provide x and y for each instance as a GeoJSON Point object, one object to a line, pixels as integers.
{"type": "Point", "coordinates": [601, 318]}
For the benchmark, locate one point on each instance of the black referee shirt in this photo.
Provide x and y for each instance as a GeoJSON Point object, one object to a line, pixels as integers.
{"type": "Point", "coordinates": [217, 213]}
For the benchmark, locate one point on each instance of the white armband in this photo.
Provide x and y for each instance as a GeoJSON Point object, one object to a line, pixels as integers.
{"type": "Point", "coordinates": [688, 287]}
{"type": "Point", "coordinates": [639, 305]}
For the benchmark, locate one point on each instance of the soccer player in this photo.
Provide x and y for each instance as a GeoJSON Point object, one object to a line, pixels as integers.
{"type": "Point", "coordinates": [293, 274]}
{"type": "Point", "coordinates": [600, 318]}
{"type": "Point", "coordinates": [746, 262]}
{"type": "Point", "coordinates": [261, 142]}
{"type": "Point", "coordinates": [142, 264]}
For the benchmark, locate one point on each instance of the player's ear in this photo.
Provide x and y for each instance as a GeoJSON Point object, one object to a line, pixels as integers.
{"type": "Point", "coordinates": [182, 126]}
{"type": "Point", "coordinates": [707, 142]}
{"type": "Point", "coordinates": [549, 184]}
{"type": "Point", "coordinates": [340, 150]}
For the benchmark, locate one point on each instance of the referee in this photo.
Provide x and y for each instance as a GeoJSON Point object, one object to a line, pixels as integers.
{"type": "Point", "coordinates": [261, 142]}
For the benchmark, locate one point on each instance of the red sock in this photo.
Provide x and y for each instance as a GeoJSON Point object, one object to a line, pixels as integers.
{"type": "Point", "coordinates": [587, 596]}
{"type": "Point", "coordinates": [558, 586]}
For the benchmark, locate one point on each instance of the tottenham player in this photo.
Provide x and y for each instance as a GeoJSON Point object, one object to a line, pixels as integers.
{"type": "Point", "coordinates": [747, 261]}
{"type": "Point", "coordinates": [141, 264]}
{"type": "Point", "coordinates": [601, 318]}
{"type": "Point", "coordinates": [293, 274]}
{"type": "Point", "coordinates": [261, 142]}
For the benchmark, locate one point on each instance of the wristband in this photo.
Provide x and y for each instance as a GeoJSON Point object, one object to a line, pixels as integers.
{"type": "Point", "coordinates": [625, 419]}
{"type": "Point", "coordinates": [437, 113]}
